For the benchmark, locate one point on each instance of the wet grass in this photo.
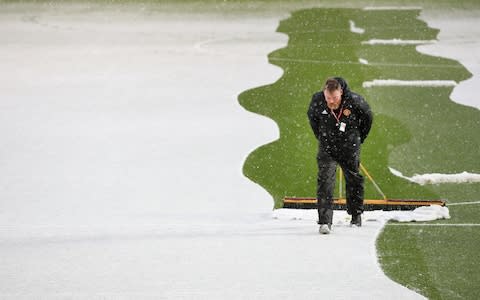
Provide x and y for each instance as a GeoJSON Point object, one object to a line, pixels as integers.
{"type": "Point", "coordinates": [408, 121]}
{"type": "Point", "coordinates": [437, 261]}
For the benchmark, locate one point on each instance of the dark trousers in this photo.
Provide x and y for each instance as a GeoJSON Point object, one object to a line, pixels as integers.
{"type": "Point", "coordinates": [327, 166]}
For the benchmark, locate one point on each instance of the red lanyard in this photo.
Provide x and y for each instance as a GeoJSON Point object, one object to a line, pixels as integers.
{"type": "Point", "coordinates": [339, 114]}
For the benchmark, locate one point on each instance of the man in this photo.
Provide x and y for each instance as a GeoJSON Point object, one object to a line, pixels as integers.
{"type": "Point", "coordinates": [341, 121]}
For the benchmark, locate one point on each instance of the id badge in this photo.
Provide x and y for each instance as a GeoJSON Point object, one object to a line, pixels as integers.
{"type": "Point", "coordinates": [342, 127]}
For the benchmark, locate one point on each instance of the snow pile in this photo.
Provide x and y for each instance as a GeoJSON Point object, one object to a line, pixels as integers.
{"type": "Point", "coordinates": [437, 178]}
{"type": "Point", "coordinates": [417, 83]}
{"type": "Point", "coordinates": [420, 214]}
{"type": "Point", "coordinates": [397, 42]}
{"type": "Point", "coordinates": [392, 8]}
{"type": "Point", "coordinates": [363, 61]}
{"type": "Point", "coordinates": [341, 218]}
{"type": "Point", "coordinates": [355, 29]}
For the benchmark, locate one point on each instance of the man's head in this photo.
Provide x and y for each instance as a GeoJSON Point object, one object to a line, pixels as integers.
{"type": "Point", "coordinates": [333, 93]}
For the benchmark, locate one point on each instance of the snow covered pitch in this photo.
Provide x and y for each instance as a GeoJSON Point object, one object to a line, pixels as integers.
{"type": "Point", "coordinates": [122, 150]}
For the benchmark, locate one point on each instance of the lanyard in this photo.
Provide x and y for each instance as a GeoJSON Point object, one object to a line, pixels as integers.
{"type": "Point", "coordinates": [339, 114]}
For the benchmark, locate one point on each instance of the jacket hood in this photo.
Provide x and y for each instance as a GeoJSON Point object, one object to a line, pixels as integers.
{"type": "Point", "coordinates": [345, 88]}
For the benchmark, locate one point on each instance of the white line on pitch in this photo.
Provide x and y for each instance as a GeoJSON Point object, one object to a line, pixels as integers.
{"type": "Point", "coordinates": [464, 203]}
{"type": "Point", "coordinates": [435, 225]}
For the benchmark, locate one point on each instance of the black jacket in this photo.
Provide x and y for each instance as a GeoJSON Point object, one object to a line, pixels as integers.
{"type": "Point", "coordinates": [356, 115]}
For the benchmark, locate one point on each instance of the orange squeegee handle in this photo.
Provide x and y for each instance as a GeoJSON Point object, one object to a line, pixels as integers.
{"type": "Point", "coordinates": [364, 170]}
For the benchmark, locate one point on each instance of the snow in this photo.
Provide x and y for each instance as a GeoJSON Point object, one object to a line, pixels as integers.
{"type": "Point", "coordinates": [458, 40]}
{"type": "Point", "coordinates": [397, 42]}
{"type": "Point", "coordinates": [355, 29]}
{"type": "Point", "coordinates": [437, 178]}
{"type": "Point", "coordinates": [341, 219]}
{"type": "Point", "coordinates": [363, 61]}
{"type": "Point", "coordinates": [392, 8]}
{"type": "Point", "coordinates": [420, 83]}
{"type": "Point", "coordinates": [123, 145]}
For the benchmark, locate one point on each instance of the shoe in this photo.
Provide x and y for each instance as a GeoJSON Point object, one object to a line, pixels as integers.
{"type": "Point", "coordinates": [325, 228]}
{"type": "Point", "coordinates": [356, 220]}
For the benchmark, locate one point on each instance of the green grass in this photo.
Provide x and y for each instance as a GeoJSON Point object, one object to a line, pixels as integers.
{"type": "Point", "coordinates": [321, 45]}
{"type": "Point", "coordinates": [416, 130]}
{"type": "Point", "coordinates": [442, 261]}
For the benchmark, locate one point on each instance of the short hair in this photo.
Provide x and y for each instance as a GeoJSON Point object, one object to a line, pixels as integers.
{"type": "Point", "coordinates": [332, 85]}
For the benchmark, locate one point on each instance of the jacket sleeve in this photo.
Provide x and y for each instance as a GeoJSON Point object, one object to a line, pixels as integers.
{"type": "Point", "coordinates": [366, 119]}
{"type": "Point", "coordinates": [313, 115]}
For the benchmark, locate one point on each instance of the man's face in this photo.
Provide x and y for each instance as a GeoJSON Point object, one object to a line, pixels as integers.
{"type": "Point", "coordinates": [333, 98]}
